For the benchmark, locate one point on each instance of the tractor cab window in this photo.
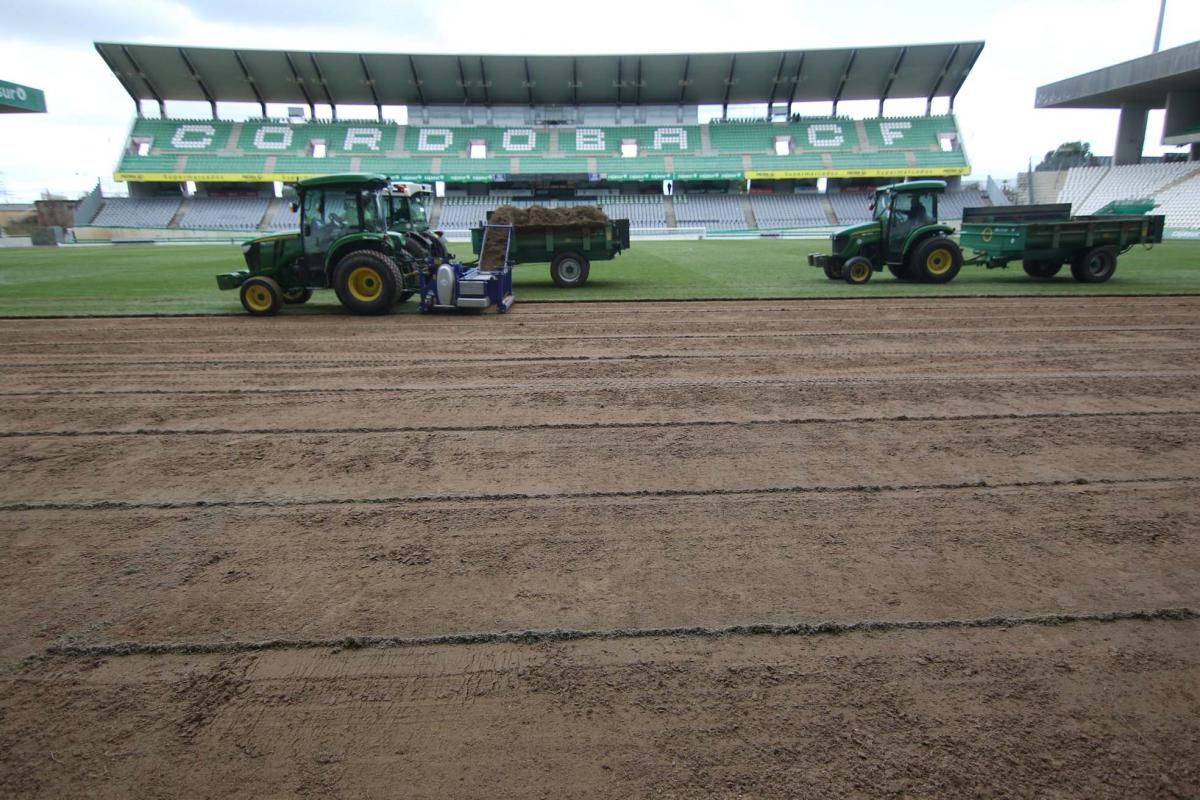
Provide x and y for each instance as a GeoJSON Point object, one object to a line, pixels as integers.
{"type": "Point", "coordinates": [407, 212]}
{"type": "Point", "coordinates": [914, 209]}
{"type": "Point", "coordinates": [416, 210]}
{"type": "Point", "coordinates": [341, 209]}
{"type": "Point", "coordinates": [372, 213]}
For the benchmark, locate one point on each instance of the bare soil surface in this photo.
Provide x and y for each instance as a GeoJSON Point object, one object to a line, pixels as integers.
{"type": "Point", "coordinates": [199, 515]}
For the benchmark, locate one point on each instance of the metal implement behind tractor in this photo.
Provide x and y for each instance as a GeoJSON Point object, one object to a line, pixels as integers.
{"type": "Point", "coordinates": [363, 236]}
{"type": "Point", "coordinates": [489, 283]}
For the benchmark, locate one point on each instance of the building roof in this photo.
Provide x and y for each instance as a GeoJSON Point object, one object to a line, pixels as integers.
{"type": "Point", "coordinates": [161, 72]}
{"type": "Point", "coordinates": [1144, 81]}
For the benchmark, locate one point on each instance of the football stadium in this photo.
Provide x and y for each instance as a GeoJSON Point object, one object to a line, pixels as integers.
{"type": "Point", "coordinates": [584, 479]}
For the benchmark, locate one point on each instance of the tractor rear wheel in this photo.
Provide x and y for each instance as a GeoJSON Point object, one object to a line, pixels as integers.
{"type": "Point", "coordinates": [857, 270]}
{"type": "Point", "coordinates": [261, 296]}
{"type": "Point", "coordinates": [1095, 266]}
{"type": "Point", "coordinates": [1041, 268]}
{"type": "Point", "coordinates": [569, 270]}
{"type": "Point", "coordinates": [935, 260]}
{"type": "Point", "coordinates": [297, 296]}
{"type": "Point", "coordinates": [899, 272]}
{"type": "Point", "coordinates": [367, 282]}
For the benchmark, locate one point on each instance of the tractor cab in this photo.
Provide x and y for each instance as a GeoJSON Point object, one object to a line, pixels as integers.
{"type": "Point", "coordinates": [904, 236]}
{"type": "Point", "coordinates": [902, 209]}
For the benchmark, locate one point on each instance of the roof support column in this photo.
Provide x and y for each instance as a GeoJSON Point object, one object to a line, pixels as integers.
{"type": "Point", "coordinates": [1131, 135]}
{"type": "Point", "coordinates": [795, 85]}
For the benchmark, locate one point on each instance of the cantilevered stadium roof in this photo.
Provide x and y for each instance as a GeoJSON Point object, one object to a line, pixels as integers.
{"type": "Point", "coordinates": [1144, 81]}
{"type": "Point", "coordinates": [156, 72]}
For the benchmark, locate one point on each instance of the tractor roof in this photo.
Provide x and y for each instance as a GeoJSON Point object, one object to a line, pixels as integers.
{"type": "Point", "coordinates": [352, 179]}
{"type": "Point", "coordinates": [914, 186]}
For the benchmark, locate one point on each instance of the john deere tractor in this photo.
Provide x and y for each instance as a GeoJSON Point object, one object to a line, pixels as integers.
{"type": "Point", "coordinates": [904, 236]}
{"type": "Point", "coordinates": [363, 236]}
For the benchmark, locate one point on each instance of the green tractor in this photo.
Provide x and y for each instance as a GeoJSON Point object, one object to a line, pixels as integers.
{"type": "Point", "coordinates": [363, 236]}
{"type": "Point", "coordinates": [904, 236]}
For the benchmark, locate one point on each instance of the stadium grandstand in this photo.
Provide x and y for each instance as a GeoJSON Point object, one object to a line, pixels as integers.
{"type": "Point", "coordinates": [626, 132]}
{"type": "Point", "coordinates": [1168, 80]}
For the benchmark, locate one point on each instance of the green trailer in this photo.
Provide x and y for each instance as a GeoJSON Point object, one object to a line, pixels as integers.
{"type": "Point", "coordinates": [1045, 237]}
{"type": "Point", "coordinates": [568, 249]}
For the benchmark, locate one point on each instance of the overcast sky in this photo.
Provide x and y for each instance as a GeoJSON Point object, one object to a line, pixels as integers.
{"type": "Point", "coordinates": [48, 44]}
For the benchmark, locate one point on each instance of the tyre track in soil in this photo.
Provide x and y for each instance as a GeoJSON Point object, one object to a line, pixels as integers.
{"type": "Point", "coordinates": [945, 713]}
{"type": "Point", "coordinates": [729, 456]}
{"type": "Point", "coordinates": [597, 563]}
{"type": "Point", "coordinates": [259, 360]}
{"type": "Point", "coordinates": [995, 394]}
{"type": "Point", "coordinates": [534, 374]}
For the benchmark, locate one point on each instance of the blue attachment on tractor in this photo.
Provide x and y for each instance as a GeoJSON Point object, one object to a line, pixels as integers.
{"type": "Point", "coordinates": [454, 285]}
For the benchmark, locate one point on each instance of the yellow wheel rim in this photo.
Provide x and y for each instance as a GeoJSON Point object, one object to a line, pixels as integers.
{"type": "Point", "coordinates": [365, 284]}
{"type": "Point", "coordinates": [859, 272]}
{"type": "Point", "coordinates": [938, 262]}
{"type": "Point", "coordinates": [259, 298]}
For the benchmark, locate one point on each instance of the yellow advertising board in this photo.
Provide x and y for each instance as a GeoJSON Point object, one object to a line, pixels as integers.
{"type": "Point", "coordinates": [214, 177]}
{"type": "Point", "coordinates": [875, 172]}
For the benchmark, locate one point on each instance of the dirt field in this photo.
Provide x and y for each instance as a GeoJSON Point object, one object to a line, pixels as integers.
{"type": "Point", "coordinates": [776, 549]}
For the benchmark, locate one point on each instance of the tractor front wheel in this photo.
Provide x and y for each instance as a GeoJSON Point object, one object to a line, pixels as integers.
{"type": "Point", "coordinates": [1095, 266]}
{"type": "Point", "coordinates": [261, 296]}
{"type": "Point", "coordinates": [935, 260]}
{"type": "Point", "coordinates": [857, 270]}
{"type": "Point", "coordinates": [367, 282]}
{"type": "Point", "coordinates": [833, 271]}
{"type": "Point", "coordinates": [1041, 268]}
{"type": "Point", "coordinates": [569, 270]}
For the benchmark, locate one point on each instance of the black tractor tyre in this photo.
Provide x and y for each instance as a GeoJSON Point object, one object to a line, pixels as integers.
{"type": "Point", "coordinates": [1095, 266]}
{"type": "Point", "coordinates": [935, 260]}
{"type": "Point", "coordinates": [569, 270]}
{"type": "Point", "coordinates": [261, 296]}
{"type": "Point", "coordinates": [899, 272]}
{"type": "Point", "coordinates": [367, 282]}
{"type": "Point", "coordinates": [1041, 268]}
{"type": "Point", "coordinates": [297, 297]}
{"type": "Point", "coordinates": [857, 270]}
{"type": "Point", "coordinates": [833, 270]}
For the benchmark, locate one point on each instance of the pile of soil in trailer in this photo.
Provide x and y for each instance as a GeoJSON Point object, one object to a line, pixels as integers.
{"type": "Point", "coordinates": [492, 255]}
{"type": "Point", "coordinates": [541, 217]}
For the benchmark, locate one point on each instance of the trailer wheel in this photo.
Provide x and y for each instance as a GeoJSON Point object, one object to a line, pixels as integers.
{"type": "Point", "coordinates": [367, 282]}
{"type": "Point", "coordinates": [833, 271]}
{"type": "Point", "coordinates": [857, 270]}
{"type": "Point", "coordinates": [1095, 266]}
{"type": "Point", "coordinates": [935, 260]}
{"type": "Point", "coordinates": [569, 270]}
{"type": "Point", "coordinates": [261, 296]}
{"type": "Point", "coordinates": [1041, 268]}
{"type": "Point", "coordinates": [297, 297]}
